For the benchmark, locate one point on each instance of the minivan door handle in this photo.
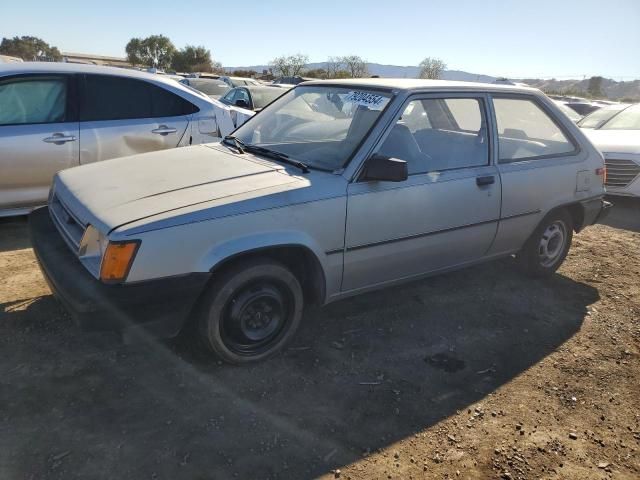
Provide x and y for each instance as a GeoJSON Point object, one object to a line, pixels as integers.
{"type": "Point", "coordinates": [488, 180]}
{"type": "Point", "coordinates": [163, 130]}
{"type": "Point", "coordinates": [59, 138]}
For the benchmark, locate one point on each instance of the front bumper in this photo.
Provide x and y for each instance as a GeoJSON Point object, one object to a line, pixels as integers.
{"type": "Point", "coordinates": [594, 211]}
{"type": "Point", "coordinates": [160, 306]}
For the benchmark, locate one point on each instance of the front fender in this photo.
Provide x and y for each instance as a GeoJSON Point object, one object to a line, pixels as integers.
{"type": "Point", "coordinates": [259, 241]}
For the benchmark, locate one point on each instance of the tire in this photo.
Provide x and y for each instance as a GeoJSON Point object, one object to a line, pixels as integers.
{"type": "Point", "coordinates": [548, 246]}
{"type": "Point", "coordinates": [250, 312]}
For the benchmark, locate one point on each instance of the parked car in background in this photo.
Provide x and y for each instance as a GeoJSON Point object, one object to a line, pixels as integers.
{"type": "Point", "coordinates": [335, 189]}
{"type": "Point", "coordinates": [619, 141]}
{"type": "Point", "coordinates": [292, 80]}
{"type": "Point", "coordinates": [239, 81]}
{"type": "Point", "coordinates": [583, 108]}
{"type": "Point", "coordinates": [8, 59]}
{"type": "Point", "coordinates": [569, 112]}
{"type": "Point", "coordinates": [253, 98]}
{"type": "Point", "coordinates": [59, 115]}
{"type": "Point", "coordinates": [209, 86]}
{"type": "Point", "coordinates": [601, 116]}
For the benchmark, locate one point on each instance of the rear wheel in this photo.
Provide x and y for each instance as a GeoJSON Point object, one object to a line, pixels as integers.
{"type": "Point", "coordinates": [548, 246]}
{"type": "Point", "coordinates": [251, 311]}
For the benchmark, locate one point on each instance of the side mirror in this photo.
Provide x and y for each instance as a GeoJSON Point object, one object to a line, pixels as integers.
{"type": "Point", "coordinates": [385, 169]}
{"type": "Point", "coordinates": [242, 104]}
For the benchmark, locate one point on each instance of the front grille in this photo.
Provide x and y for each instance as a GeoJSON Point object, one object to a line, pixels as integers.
{"type": "Point", "coordinates": [68, 225]}
{"type": "Point", "coordinates": [620, 173]}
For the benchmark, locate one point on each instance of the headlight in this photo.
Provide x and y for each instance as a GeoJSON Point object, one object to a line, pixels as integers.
{"type": "Point", "coordinates": [107, 261]}
{"type": "Point", "coordinates": [93, 244]}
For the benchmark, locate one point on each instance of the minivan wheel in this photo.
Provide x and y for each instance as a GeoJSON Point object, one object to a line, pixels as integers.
{"type": "Point", "coordinates": [548, 246]}
{"type": "Point", "coordinates": [251, 311]}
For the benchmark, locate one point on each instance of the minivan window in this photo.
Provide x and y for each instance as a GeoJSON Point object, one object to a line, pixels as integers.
{"type": "Point", "coordinates": [108, 97]}
{"type": "Point", "coordinates": [526, 131]}
{"type": "Point", "coordinates": [439, 134]}
{"type": "Point", "coordinates": [33, 100]}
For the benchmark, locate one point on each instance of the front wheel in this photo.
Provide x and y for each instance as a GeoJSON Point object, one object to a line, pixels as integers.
{"type": "Point", "coordinates": [251, 311]}
{"type": "Point", "coordinates": [548, 246]}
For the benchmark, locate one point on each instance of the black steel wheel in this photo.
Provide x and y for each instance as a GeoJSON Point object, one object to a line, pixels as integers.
{"type": "Point", "coordinates": [251, 311]}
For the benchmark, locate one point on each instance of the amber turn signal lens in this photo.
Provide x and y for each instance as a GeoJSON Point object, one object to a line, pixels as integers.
{"type": "Point", "coordinates": [117, 261]}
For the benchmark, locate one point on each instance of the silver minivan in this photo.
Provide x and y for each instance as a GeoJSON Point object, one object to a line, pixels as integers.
{"type": "Point", "coordinates": [58, 115]}
{"type": "Point", "coordinates": [334, 189]}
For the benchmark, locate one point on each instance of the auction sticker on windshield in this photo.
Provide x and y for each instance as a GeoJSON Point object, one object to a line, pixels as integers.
{"type": "Point", "coordinates": [366, 99]}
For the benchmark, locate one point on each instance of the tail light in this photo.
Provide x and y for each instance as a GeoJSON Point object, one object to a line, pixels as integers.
{"type": "Point", "coordinates": [602, 172]}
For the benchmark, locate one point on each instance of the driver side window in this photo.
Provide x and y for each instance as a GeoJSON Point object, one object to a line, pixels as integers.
{"type": "Point", "coordinates": [438, 134]}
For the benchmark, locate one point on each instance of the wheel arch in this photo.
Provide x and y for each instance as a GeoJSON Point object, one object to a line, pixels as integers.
{"type": "Point", "coordinates": [301, 257]}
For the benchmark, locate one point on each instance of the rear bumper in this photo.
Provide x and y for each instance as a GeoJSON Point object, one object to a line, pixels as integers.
{"type": "Point", "coordinates": [160, 307]}
{"type": "Point", "coordinates": [594, 210]}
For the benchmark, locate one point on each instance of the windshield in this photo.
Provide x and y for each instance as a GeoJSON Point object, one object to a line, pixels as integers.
{"type": "Point", "coordinates": [320, 126]}
{"type": "Point", "coordinates": [600, 117]}
{"type": "Point", "coordinates": [628, 119]}
{"type": "Point", "coordinates": [210, 87]}
{"type": "Point", "coordinates": [262, 98]}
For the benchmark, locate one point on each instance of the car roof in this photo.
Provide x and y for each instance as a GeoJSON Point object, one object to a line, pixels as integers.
{"type": "Point", "coordinates": [420, 84]}
{"type": "Point", "coordinates": [217, 81]}
{"type": "Point", "coordinates": [62, 67]}
{"type": "Point", "coordinates": [260, 88]}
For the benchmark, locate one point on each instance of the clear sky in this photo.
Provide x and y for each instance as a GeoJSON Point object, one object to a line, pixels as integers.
{"type": "Point", "coordinates": [518, 38]}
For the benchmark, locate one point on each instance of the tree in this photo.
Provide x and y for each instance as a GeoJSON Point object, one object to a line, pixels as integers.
{"type": "Point", "coordinates": [595, 87]}
{"type": "Point", "coordinates": [337, 67]}
{"type": "Point", "coordinates": [154, 51]}
{"type": "Point", "coordinates": [192, 59]}
{"type": "Point", "coordinates": [288, 66]}
{"type": "Point", "coordinates": [134, 52]}
{"type": "Point", "coordinates": [432, 68]}
{"type": "Point", "coordinates": [355, 65]}
{"type": "Point", "coordinates": [29, 48]}
{"type": "Point", "coordinates": [316, 73]}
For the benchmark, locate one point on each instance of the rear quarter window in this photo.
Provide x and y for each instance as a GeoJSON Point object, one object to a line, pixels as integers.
{"type": "Point", "coordinates": [526, 131]}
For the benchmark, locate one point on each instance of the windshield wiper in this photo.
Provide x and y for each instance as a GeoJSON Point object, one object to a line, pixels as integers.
{"type": "Point", "coordinates": [283, 157]}
{"type": "Point", "coordinates": [235, 142]}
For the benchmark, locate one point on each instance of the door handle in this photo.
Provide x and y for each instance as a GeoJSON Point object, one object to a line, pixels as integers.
{"type": "Point", "coordinates": [488, 180]}
{"type": "Point", "coordinates": [164, 130]}
{"type": "Point", "coordinates": [59, 139]}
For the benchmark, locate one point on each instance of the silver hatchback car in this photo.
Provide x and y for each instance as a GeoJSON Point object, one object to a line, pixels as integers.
{"type": "Point", "coordinates": [58, 115]}
{"type": "Point", "coordinates": [335, 189]}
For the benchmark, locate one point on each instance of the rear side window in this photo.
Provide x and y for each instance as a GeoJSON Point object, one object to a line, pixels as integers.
{"type": "Point", "coordinates": [107, 97]}
{"type": "Point", "coordinates": [526, 131]}
{"type": "Point", "coordinates": [31, 100]}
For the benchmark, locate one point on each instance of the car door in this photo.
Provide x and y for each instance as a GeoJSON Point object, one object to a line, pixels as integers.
{"type": "Point", "coordinates": [540, 167]}
{"type": "Point", "coordinates": [122, 116]}
{"type": "Point", "coordinates": [38, 136]}
{"type": "Point", "coordinates": [445, 214]}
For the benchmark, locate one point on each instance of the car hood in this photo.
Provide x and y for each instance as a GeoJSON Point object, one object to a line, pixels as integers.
{"type": "Point", "coordinates": [614, 141]}
{"type": "Point", "coordinates": [115, 192]}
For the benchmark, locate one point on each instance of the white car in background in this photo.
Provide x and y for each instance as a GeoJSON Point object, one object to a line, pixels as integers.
{"type": "Point", "coordinates": [618, 139]}
{"type": "Point", "coordinates": [59, 115]}
{"type": "Point", "coordinates": [574, 116]}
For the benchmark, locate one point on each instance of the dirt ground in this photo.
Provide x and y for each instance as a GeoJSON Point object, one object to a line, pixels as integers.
{"type": "Point", "coordinates": [477, 374]}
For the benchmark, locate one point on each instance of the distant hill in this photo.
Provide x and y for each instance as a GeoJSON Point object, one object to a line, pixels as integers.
{"type": "Point", "coordinates": [390, 71]}
{"type": "Point", "coordinates": [612, 89]}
